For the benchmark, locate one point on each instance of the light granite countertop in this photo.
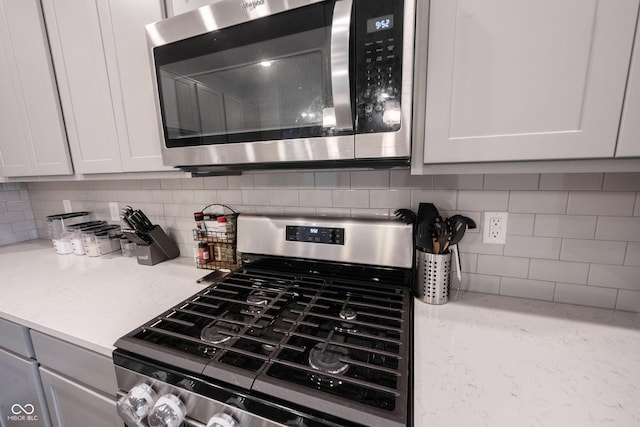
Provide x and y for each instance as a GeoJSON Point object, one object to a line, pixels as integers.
{"type": "Point", "coordinates": [480, 360]}
{"type": "Point", "coordinates": [485, 360]}
{"type": "Point", "coordinates": [88, 301]}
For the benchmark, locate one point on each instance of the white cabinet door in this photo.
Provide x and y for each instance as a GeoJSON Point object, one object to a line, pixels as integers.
{"type": "Point", "coordinates": [102, 61]}
{"type": "Point", "coordinates": [20, 385]}
{"type": "Point", "coordinates": [76, 45]}
{"type": "Point", "coordinates": [176, 7]}
{"type": "Point", "coordinates": [33, 139]}
{"type": "Point", "coordinates": [522, 80]}
{"type": "Point", "coordinates": [629, 137]}
{"type": "Point", "coordinates": [71, 404]}
{"type": "Point", "coordinates": [130, 67]}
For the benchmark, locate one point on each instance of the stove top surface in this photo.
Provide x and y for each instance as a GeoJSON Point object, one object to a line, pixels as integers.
{"type": "Point", "coordinates": [329, 336]}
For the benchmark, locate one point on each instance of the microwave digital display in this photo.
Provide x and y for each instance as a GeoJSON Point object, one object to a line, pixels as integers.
{"type": "Point", "coordinates": [380, 23]}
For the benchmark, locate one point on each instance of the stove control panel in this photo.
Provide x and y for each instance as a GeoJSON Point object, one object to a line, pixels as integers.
{"type": "Point", "coordinates": [310, 234]}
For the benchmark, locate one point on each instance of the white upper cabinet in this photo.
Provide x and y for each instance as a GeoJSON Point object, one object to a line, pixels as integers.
{"type": "Point", "coordinates": [104, 75]}
{"type": "Point", "coordinates": [629, 137]}
{"type": "Point", "coordinates": [523, 80]}
{"type": "Point", "coordinates": [176, 7]}
{"type": "Point", "coordinates": [32, 134]}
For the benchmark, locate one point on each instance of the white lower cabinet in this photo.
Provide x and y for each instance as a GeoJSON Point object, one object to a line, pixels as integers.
{"type": "Point", "coordinates": [22, 400]}
{"type": "Point", "coordinates": [79, 385]}
{"type": "Point", "coordinates": [505, 80]}
{"type": "Point", "coordinates": [72, 404]}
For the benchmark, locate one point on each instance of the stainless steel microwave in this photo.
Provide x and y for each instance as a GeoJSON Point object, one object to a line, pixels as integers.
{"type": "Point", "coordinates": [247, 84]}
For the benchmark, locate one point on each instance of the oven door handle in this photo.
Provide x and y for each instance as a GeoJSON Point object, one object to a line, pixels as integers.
{"type": "Point", "coordinates": [340, 87]}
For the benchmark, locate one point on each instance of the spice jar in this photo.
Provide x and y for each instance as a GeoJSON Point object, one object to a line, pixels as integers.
{"type": "Point", "coordinates": [222, 227]}
{"type": "Point", "coordinates": [199, 218]}
{"type": "Point", "coordinates": [203, 252]}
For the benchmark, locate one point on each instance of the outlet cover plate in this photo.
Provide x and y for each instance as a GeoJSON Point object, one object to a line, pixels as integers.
{"type": "Point", "coordinates": [113, 211]}
{"type": "Point", "coordinates": [494, 228]}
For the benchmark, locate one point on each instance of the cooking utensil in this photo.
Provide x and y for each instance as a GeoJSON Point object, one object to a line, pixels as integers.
{"type": "Point", "coordinates": [406, 215]}
{"type": "Point", "coordinates": [427, 213]}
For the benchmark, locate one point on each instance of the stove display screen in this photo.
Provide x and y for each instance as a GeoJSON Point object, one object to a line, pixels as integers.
{"type": "Point", "coordinates": [327, 235]}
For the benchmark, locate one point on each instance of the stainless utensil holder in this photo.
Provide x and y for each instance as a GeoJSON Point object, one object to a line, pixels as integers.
{"type": "Point", "coordinates": [433, 279]}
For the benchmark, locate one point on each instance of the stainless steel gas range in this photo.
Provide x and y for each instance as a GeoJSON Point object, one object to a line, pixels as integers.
{"type": "Point", "coordinates": [315, 329]}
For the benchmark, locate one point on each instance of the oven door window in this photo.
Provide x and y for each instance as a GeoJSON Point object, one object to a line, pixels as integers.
{"type": "Point", "coordinates": [267, 79]}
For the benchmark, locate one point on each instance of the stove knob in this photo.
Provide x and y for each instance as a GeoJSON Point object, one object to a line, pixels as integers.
{"type": "Point", "coordinates": [222, 420]}
{"type": "Point", "coordinates": [169, 411]}
{"type": "Point", "coordinates": [135, 406]}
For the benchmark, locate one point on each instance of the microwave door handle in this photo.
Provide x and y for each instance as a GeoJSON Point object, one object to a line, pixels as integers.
{"type": "Point", "coordinates": [340, 86]}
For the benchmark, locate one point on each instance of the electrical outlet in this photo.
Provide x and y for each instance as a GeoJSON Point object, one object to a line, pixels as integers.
{"type": "Point", "coordinates": [495, 228]}
{"type": "Point", "coordinates": [113, 210]}
{"type": "Point", "coordinates": [67, 206]}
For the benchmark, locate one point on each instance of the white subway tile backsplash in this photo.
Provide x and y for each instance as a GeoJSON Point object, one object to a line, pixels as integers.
{"type": "Point", "coordinates": [629, 181]}
{"type": "Point", "coordinates": [533, 247]}
{"type": "Point", "coordinates": [229, 197]}
{"type": "Point", "coordinates": [614, 276]}
{"type": "Point", "coordinates": [255, 197]}
{"type": "Point", "coordinates": [628, 300]}
{"type": "Point", "coordinates": [445, 200]}
{"type": "Point", "coordinates": [299, 180]}
{"type": "Point", "coordinates": [586, 295]}
{"type": "Point", "coordinates": [633, 255]}
{"type": "Point", "coordinates": [525, 288]}
{"type": "Point", "coordinates": [370, 179]}
{"type": "Point", "coordinates": [520, 224]}
{"type": "Point", "coordinates": [334, 179]}
{"type": "Point", "coordinates": [267, 180]}
{"type": "Point", "coordinates": [618, 228]}
{"type": "Point", "coordinates": [3, 207]}
{"type": "Point", "coordinates": [192, 183]}
{"type": "Point", "coordinates": [240, 181]}
{"type": "Point", "coordinates": [550, 202]}
{"type": "Point", "coordinates": [170, 184]}
{"type": "Point", "coordinates": [282, 197]}
{"type": "Point", "coordinates": [351, 198]}
{"type": "Point", "coordinates": [553, 219]}
{"type": "Point", "coordinates": [601, 203]}
{"type": "Point", "coordinates": [599, 251]}
{"type": "Point", "coordinates": [559, 271]}
{"type": "Point", "coordinates": [401, 178]}
{"type": "Point", "coordinates": [472, 243]}
{"type": "Point", "coordinates": [524, 181]}
{"type": "Point", "coordinates": [571, 226]}
{"type": "Point", "coordinates": [495, 265]}
{"type": "Point", "coordinates": [315, 198]}
{"type": "Point", "coordinates": [457, 182]}
{"type": "Point", "coordinates": [17, 221]}
{"type": "Point", "coordinates": [483, 200]}
{"type": "Point", "coordinates": [480, 283]}
{"type": "Point", "coordinates": [215, 182]}
{"type": "Point", "coordinates": [571, 181]}
{"type": "Point", "coordinates": [392, 199]}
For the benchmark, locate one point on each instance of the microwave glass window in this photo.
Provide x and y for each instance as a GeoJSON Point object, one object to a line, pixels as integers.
{"type": "Point", "coordinates": [270, 82]}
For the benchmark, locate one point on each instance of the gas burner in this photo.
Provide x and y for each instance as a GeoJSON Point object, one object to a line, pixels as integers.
{"type": "Point", "coordinates": [326, 358]}
{"type": "Point", "coordinates": [219, 331]}
{"type": "Point", "coordinates": [258, 298]}
{"type": "Point", "coordinates": [348, 313]}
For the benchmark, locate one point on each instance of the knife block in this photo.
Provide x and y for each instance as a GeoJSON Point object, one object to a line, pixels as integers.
{"type": "Point", "coordinates": [160, 249]}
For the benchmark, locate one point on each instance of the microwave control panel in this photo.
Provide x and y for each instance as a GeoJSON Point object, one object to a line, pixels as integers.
{"type": "Point", "coordinates": [378, 46]}
{"type": "Point", "coordinates": [327, 235]}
